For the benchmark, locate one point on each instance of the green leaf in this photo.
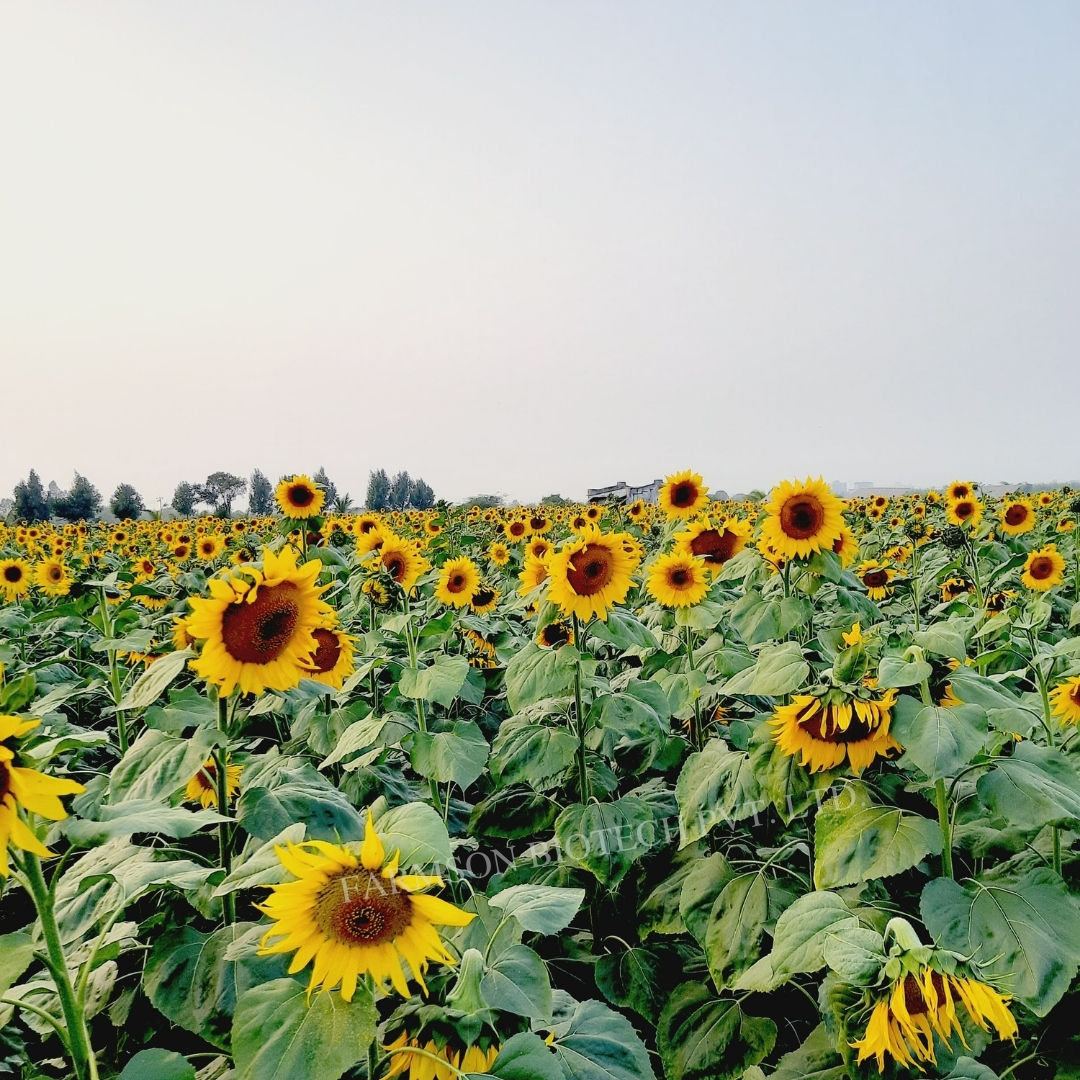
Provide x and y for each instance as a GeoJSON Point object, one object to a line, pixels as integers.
{"type": "Point", "coordinates": [277, 1035]}
{"type": "Point", "coordinates": [300, 794]}
{"type": "Point", "coordinates": [622, 630]}
{"type": "Point", "coordinates": [359, 735]}
{"type": "Point", "coordinates": [779, 669]}
{"type": "Point", "coordinates": [799, 940]}
{"type": "Point", "coordinates": [856, 841]}
{"type": "Point", "coordinates": [528, 753]}
{"type": "Point", "coordinates": [514, 813]}
{"type": "Point", "coordinates": [158, 1065]}
{"type": "Point", "coordinates": [152, 683]}
{"type": "Point", "coordinates": [700, 889]}
{"type": "Point", "coordinates": [1024, 933]}
{"type": "Point", "coordinates": [535, 673]}
{"type": "Point", "coordinates": [940, 741]}
{"type": "Point", "coordinates": [606, 838]}
{"type": "Point", "coordinates": [138, 816]}
{"type": "Point", "coordinates": [542, 909]}
{"type": "Point", "coordinates": [457, 755]}
{"type": "Point", "coordinates": [945, 639]}
{"type": "Point", "coordinates": [440, 683]}
{"type": "Point", "coordinates": [756, 620]}
{"type": "Point", "coordinates": [659, 912]}
{"type": "Point", "coordinates": [967, 1068]}
{"type": "Point", "coordinates": [716, 786]}
{"type": "Point", "coordinates": [1035, 787]}
{"type": "Point", "coordinates": [523, 1056]}
{"type": "Point", "coordinates": [517, 982]}
{"type": "Point", "coordinates": [855, 953]}
{"type": "Point", "coordinates": [418, 833]}
{"type": "Point", "coordinates": [702, 1037]}
{"type": "Point", "coordinates": [16, 953]}
{"type": "Point", "coordinates": [186, 708]}
{"type": "Point", "coordinates": [158, 765]}
{"type": "Point", "coordinates": [815, 1059]}
{"type": "Point", "coordinates": [736, 924]}
{"type": "Point", "coordinates": [599, 1044]}
{"type": "Point", "coordinates": [895, 671]}
{"type": "Point", "coordinates": [633, 979]}
{"type": "Point", "coordinates": [705, 616]}
{"type": "Point", "coordinates": [262, 866]}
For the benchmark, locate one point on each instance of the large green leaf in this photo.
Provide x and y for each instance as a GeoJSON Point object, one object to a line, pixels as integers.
{"type": "Point", "coordinates": [543, 909]}
{"type": "Point", "coordinates": [756, 620]}
{"type": "Point", "coordinates": [1035, 787]}
{"type": "Point", "coordinates": [779, 669]}
{"type": "Point", "coordinates": [736, 924]}
{"type": "Point", "coordinates": [816, 1059]}
{"type": "Point", "coordinates": [606, 838]}
{"type": "Point", "coordinates": [260, 864]}
{"type": "Point", "coordinates": [1025, 934]}
{"type": "Point", "coordinates": [514, 813]}
{"type": "Point", "coordinates": [150, 685]}
{"type": "Point", "coordinates": [457, 755]}
{"type": "Point", "coordinates": [895, 671]}
{"type": "Point", "coordinates": [623, 630]}
{"type": "Point", "coordinates": [16, 953]}
{"type": "Point", "coordinates": [158, 1065]}
{"type": "Point", "coordinates": [158, 765]}
{"type": "Point", "coordinates": [138, 816]}
{"type": "Point", "coordinates": [536, 673]}
{"type": "Point", "coordinates": [300, 794]}
{"type": "Point", "coordinates": [417, 833]}
{"type": "Point", "coordinates": [633, 979]}
{"type": "Point", "coordinates": [945, 639]}
{"type": "Point", "coordinates": [856, 841]}
{"type": "Point", "coordinates": [440, 682]}
{"type": "Point", "coordinates": [529, 753]}
{"type": "Point", "coordinates": [278, 1035]}
{"type": "Point", "coordinates": [703, 1037]}
{"type": "Point", "coordinates": [523, 1056]}
{"type": "Point", "coordinates": [596, 1043]}
{"type": "Point", "coordinates": [940, 741]}
{"type": "Point", "coordinates": [359, 735]}
{"type": "Point", "coordinates": [855, 953]}
{"type": "Point", "coordinates": [517, 982]}
{"type": "Point", "coordinates": [716, 786]}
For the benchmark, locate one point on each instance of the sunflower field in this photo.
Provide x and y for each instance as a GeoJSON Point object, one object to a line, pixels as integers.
{"type": "Point", "coordinates": [696, 790]}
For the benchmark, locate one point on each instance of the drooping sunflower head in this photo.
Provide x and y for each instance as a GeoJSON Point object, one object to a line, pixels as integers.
{"type": "Point", "coordinates": [415, 1057]}
{"type": "Point", "coordinates": [802, 518]}
{"type": "Point", "coordinates": [1044, 568]}
{"type": "Point", "coordinates": [677, 580]}
{"type": "Point", "coordinates": [953, 587]}
{"type": "Point", "coordinates": [299, 497]}
{"type": "Point", "coordinates": [555, 634]}
{"type": "Point", "coordinates": [590, 573]}
{"type": "Point", "coordinates": [684, 494]}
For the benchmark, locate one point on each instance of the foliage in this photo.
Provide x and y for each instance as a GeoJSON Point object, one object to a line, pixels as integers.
{"type": "Point", "coordinates": [126, 502]}
{"type": "Point", "coordinates": [31, 503]}
{"type": "Point", "coordinates": [81, 502]}
{"type": "Point", "coordinates": [218, 491]}
{"type": "Point", "coordinates": [260, 494]}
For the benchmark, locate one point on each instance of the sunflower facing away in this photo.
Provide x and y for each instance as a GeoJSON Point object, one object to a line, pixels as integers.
{"type": "Point", "coordinates": [824, 731]}
{"type": "Point", "coordinates": [924, 1003]}
{"type": "Point", "coordinates": [458, 580]}
{"type": "Point", "coordinates": [677, 580]}
{"type": "Point", "coordinates": [299, 497]}
{"type": "Point", "coordinates": [802, 519]}
{"type": "Point", "coordinates": [347, 916]}
{"type": "Point", "coordinates": [28, 788]}
{"type": "Point", "coordinates": [590, 574]}
{"type": "Point", "coordinates": [257, 625]}
{"type": "Point", "coordinates": [332, 661]}
{"type": "Point", "coordinates": [202, 787]}
{"type": "Point", "coordinates": [683, 495]}
{"type": "Point", "coordinates": [415, 1066]}
{"type": "Point", "coordinates": [1045, 568]}
{"type": "Point", "coordinates": [1065, 700]}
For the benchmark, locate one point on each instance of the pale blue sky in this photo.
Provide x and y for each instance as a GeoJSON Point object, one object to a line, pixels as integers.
{"type": "Point", "coordinates": [532, 247]}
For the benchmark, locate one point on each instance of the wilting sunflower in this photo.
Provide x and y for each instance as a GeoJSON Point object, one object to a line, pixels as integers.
{"type": "Point", "coordinates": [590, 574]}
{"type": "Point", "coordinates": [964, 512]}
{"type": "Point", "coordinates": [924, 1003]}
{"type": "Point", "coordinates": [1017, 517]}
{"type": "Point", "coordinates": [677, 580]}
{"type": "Point", "coordinates": [332, 661]}
{"type": "Point", "coordinates": [458, 580]}
{"type": "Point", "coordinates": [300, 497]}
{"type": "Point", "coordinates": [352, 916]}
{"type": "Point", "coordinates": [714, 544]}
{"type": "Point", "coordinates": [484, 600]}
{"type": "Point", "coordinates": [1045, 568]}
{"type": "Point", "coordinates": [824, 731]}
{"type": "Point", "coordinates": [28, 788]}
{"type": "Point", "coordinates": [683, 495]}
{"type": "Point", "coordinates": [52, 578]}
{"type": "Point", "coordinates": [257, 624]}
{"type": "Point", "coordinates": [202, 787]}
{"type": "Point", "coordinates": [953, 587]}
{"type": "Point", "coordinates": [418, 1066]}
{"type": "Point", "coordinates": [14, 578]}
{"type": "Point", "coordinates": [802, 519]}
{"type": "Point", "coordinates": [555, 634]}
{"type": "Point", "coordinates": [1065, 700]}
{"type": "Point", "coordinates": [876, 577]}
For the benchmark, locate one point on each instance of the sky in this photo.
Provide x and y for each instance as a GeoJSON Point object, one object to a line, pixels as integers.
{"type": "Point", "coordinates": [529, 248]}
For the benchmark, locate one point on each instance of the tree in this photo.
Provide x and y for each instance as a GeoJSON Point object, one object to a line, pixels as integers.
{"type": "Point", "coordinates": [484, 502]}
{"type": "Point", "coordinates": [184, 499]}
{"type": "Point", "coordinates": [260, 494]}
{"type": "Point", "coordinates": [423, 498]}
{"type": "Point", "coordinates": [81, 503]}
{"type": "Point", "coordinates": [401, 491]}
{"type": "Point", "coordinates": [326, 484]}
{"type": "Point", "coordinates": [555, 500]}
{"type": "Point", "coordinates": [219, 490]}
{"type": "Point", "coordinates": [31, 503]}
{"type": "Point", "coordinates": [378, 490]}
{"type": "Point", "coordinates": [126, 502]}
{"type": "Point", "coordinates": [342, 504]}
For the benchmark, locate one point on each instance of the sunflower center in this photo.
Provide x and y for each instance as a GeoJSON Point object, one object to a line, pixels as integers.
{"type": "Point", "coordinates": [801, 518]}
{"type": "Point", "coordinates": [537, 523]}
{"type": "Point", "coordinates": [396, 565]}
{"type": "Point", "coordinates": [206, 777]}
{"type": "Point", "coordinates": [680, 577]}
{"type": "Point", "coordinates": [327, 651]}
{"type": "Point", "coordinates": [1041, 568]}
{"type": "Point", "coordinates": [875, 579]}
{"type": "Point", "coordinates": [13, 574]}
{"type": "Point", "coordinates": [589, 570]}
{"type": "Point", "coordinates": [963, 510]}
{"type": "Point", "coordinates": [715, 546]}
{"type": "Point", "coordinates": [55, 573]}
{"type": "Point", "coordinates": [301, 495]}
{"type": "Point", "coordinates": [257, 633]}
{"type": "Point", "coordinates": [1016, 515]}
{"type": "Point", "coordinates": [456, 582]}
{"type": "Point", "coordinates": [684, 494]}
{"type": "Point", "coordinates": [914, 1001]}
{"type": "Point", "coordinates": [822, 726]}
{"type": "Point", "coordinates": [362, 908]}
{"type": "Point", "coordinates": [482, 597]}
{"type": "Point", "coordinates": [517, 528]}
{"type": "Point", "coordinates": [557, 633]}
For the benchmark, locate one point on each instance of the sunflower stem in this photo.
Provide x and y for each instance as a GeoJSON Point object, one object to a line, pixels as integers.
{"type": "Point", "coordinates": [421, 717]}
{"type": "Point", "coordinates": [115, 686]}
{"type": "Point", "coordinates": [695, 723]}
{"type": "Point", "coordinates": [78, 1036]}
{"type": "Point", "coordinates": [1048, 723]}
{"type": "Point", "coordinates": [915, 582]}
{"type": "Point", "coordinates": [584, 790]}
{"type": "Point", "coordinates": [221, 779]}
{"type": "Point", "coordinates": [942, 802]}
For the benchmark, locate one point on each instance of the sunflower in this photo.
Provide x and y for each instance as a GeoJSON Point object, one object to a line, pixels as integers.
{"type": "Point", "coordinates": [539, 547]}
{"type": "Point", "coordinates": [14, 578]}
{"type": "Point", "coordinates": [714, 544]}
{"type": "Point", "coordinates": [876, 577]}
{"type": "Point", "coordinates": [539, 523]}
{"type": "Point", "coordinates": [845, 546]}
{"type": "Point", "coordinates": [964, 512]}
{"type": "Point", "coordinates": [802, 518]}
{"type": "Point", "coordinates": [1017, 516]}
{"type": "Point", "coordinates": [499, 553]}
{"type": "Point", "coordinates": [957, 490]}
{"type": "Point", "coordinates": [209, 547]}
{"type": "Point", "coordinates": [515, 530]}
{"type": "Point", "coordinates": [636, 509]}
{"type": "Point", "coordinates": [1065, 700]}
{"type": "Point", "coordinates": [683, 495]}
{"type": "Point", "coordinates": [1045, 568]}
{"type": "Point", "coordinates": [825, 731]}
{"type": "Point", "coordinates": [677, 580]}
{"type": "Point", "coordinates": [484, 600]}
{"type": "Point", "coordinates": [352, 916]}
{"type": "Point", "coordinates": [953, 587]}
{"type": "Point", "coordinates": [590, 573]}
{"type": "Point", "coordinates": [52, 578]}
{"type": "Point", "coordinates": [202, 787]}
{"type": "Point", "coordinates": [299, 497]}
{"type": "Point", "coordinates": [533, 574]}
{"type": "Point", "coordinates": [257, 625]}
{"type": "Point", "coordinates": [555, 634]}
{"type": "Point", "coordinates": [923, 1003]}
{"type": "Point", "coordinates": [181, 637]}
{"type": "Point", "coordinates": [458, 580]}
{"type": "Point", "coordinates": [402, 560]}
{"type": "Point", "coordinates": [406, 1062]}
{"type": "Point", "coordinates": [28, 788]}
{"type": "Point", "coordinates": [331, 663]}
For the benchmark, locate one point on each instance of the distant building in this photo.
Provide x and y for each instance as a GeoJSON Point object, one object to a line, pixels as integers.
{"type": "Point", "coordinates": [622, 490]}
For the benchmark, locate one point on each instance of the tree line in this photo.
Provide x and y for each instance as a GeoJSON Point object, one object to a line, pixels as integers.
{"type": "Point", "coordinates": [216, 494]}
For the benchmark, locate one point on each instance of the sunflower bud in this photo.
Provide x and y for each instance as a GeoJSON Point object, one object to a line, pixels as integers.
{"type": "Point", "coordinates": [466, 994]}
{"type": "Point", "coordinates": [953, 537]}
